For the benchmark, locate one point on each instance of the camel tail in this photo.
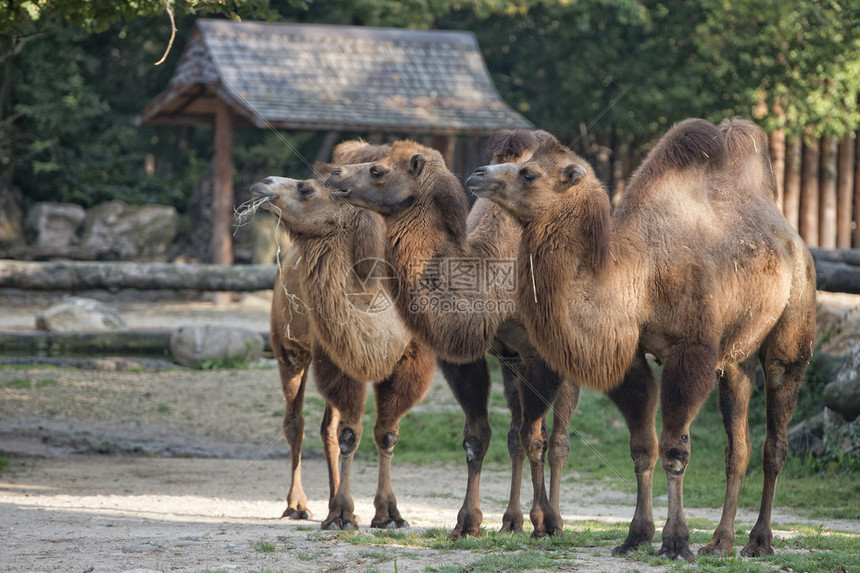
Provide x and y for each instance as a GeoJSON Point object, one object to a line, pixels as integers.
{"type": "Point", "coordinates": [745, 141]}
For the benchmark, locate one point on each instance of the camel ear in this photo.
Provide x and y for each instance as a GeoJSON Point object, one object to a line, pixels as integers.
{"type": "Point", "coordinates": [573, 174]}
{"type": "Point", "coordinates": [416, 165]}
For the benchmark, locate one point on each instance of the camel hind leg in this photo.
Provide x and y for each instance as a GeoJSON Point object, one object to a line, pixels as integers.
{"type": "Point", "coordinates": [785, 356]}
{"type": "Point", "coordinates": [470, 384]}
{"type": "Point", "coordinates": [559, 442]}
{"type": "Point", "coordinates": [512, 519]}
{"type": "Point", "coordinates": [395, 396]}
{"type": "Point", "coordinates": [292, 367]}
{"type": "Point", "coordinates": [636, 399]}
{"type": "Point", "coordinates": [736, 386]}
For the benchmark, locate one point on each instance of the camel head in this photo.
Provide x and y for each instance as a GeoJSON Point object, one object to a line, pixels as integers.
{"type": "Point", "coordinates": [515, 145]}
{"type": "Point", "coordinates": [303, 207]}
{"type": "Point", "coordinates": [527, 188]}
{"type": "Point", "coordinates": [390, 185]}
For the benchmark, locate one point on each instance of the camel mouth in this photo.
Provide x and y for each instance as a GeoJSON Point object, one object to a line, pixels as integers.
{"type": "Point", "coordinates": [261, 190]}
{"type": "Point", "coordinates": [340, 194]}
{"type": "Point", "coordinates": [481, 187]}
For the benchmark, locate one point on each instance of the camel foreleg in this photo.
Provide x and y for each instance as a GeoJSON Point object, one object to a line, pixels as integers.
{"type": "Point", "coordinates": [512, 520]}
{"type": "Point", "coordinates": [395, 396]}
{"type": "Point", "coordinates": [736, 385]}
{"type": "Point", "coordinates": [292, 368]}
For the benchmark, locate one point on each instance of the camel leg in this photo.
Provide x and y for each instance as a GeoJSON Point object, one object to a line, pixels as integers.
{"type": "Point", "coordinates": [331, 450]}
{"type": "Point", "coordinates": [736, 385]}
{"type": "Point", "coordinates": [688, 378]}
{"type": "Point", "coordinates": [782, 383]}
{"type": "Point", "coordinates": [636, 399]}
{"type": "Point", "coordinates": [395, 396]}
{"type": "Point", "coordinates": [512, 520]}
{"type": "Point", "coordinates": [559, 441]}
{"type": "Point", "coordinates": [538, 389]}
{"type": "Point", "coordinates": [345, 396]}
{"type": "Point", "coordinates": [470, 384]}
{"type": "Point", "coordinates": [293, 372]}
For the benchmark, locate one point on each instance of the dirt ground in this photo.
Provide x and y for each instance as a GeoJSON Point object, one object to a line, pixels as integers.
{"type": "Point", "coordinates": [178, 470]}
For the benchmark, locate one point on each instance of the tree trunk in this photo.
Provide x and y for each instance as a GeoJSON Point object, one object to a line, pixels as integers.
{"type": "Point", "coordinates": [857, 195]}
{"type": "Point", "coordinates": [620, 170]}
{"type": "Point", "coordinates": [602, 151]}
{"type": "Point", "coordinates": [447, 146]}
{"type": "Point", "coordinates": [66, 276]}
{"type": "Point", "coordinates": [845, 200]}
{"type": "Point", "coordinates": [809, 193]}
{"type": "Point", "coordinates": [791, 194]}
{"type": "Point", "coordinates": [827, 194]}
{"type": "Point", "coordinates": [777, 154]}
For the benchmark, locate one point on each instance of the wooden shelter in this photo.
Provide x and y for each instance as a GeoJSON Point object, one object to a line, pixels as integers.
{"type": "Point", "coordinates": [332, 78]}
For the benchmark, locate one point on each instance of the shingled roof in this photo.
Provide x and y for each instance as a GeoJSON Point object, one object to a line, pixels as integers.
{"type": "Point", "coordinates": [339, 78]}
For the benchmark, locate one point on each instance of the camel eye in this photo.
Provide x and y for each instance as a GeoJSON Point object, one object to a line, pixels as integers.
{"type": "Point", "coordinates": [304, 190]}
{"type": "Point", "coordinates": [376, 173]}
{"type": "Point", "coordinates": [528, 176]}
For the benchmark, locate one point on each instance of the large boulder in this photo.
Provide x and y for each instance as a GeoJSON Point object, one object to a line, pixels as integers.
{"type": "Point", "coordinates": [201, 346]}
{"type": "Point", "coordinates": [115, 230]}
{"type": "Point", "coordinates": [843, 396]}
{"type": "Point", "coordinates": [55, 226]}
{"type": "Point", "coordinates": [80, 315]}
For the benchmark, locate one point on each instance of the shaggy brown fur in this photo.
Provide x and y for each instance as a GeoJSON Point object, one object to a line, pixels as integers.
{"type": "Point", "coordinates": [702, 271]}
{"type": "Point", "coordinates": [335, 283]}
{"type": "Point", "coordinates": [425, 212]}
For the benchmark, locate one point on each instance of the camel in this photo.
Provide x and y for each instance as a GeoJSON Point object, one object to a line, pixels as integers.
{"type": "Point", "coordinates": [326, 310]}
{"type": "Point", "coordinates": [428, 228]}
{"type": "Point", "coordinates": [697, 266]}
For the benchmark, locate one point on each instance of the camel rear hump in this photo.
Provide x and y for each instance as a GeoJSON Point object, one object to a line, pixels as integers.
{"type": "Point", "coordinates": [747, 155]}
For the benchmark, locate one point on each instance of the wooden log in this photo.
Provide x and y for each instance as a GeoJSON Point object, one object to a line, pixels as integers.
{"type": "Point", "coordinates": [78, 276]}
{"type": "Point", "coordinates": [809, 204]}
{"type": "Point", "coordinates": [845, 200]}
{"type": "Point", "coordinates": [837, 270]}
{"type": "Point", "coordinates": [827, 194]}
{"type": "Point", "coordinates": [791, 193]}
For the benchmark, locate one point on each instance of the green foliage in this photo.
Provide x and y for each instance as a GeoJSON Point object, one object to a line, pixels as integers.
{"type": "Point", "coordinates": [19, 383]}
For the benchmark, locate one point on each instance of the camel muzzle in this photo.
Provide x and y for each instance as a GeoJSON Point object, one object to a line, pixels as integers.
{"type": "Point", "coordinates": [261, 189]}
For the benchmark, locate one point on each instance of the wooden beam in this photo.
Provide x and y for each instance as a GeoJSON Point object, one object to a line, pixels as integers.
{"type": "Point", "coordinates": [827, 194]}
{"type": "Point", "coordinates": [845, 200]}
{"type": "Point", "coordinates": [809, 204]}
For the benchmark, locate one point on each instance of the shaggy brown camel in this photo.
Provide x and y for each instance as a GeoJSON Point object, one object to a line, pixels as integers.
{"type": "Point", "coordinates": [331, 289]}
{"type": "Point", "coordinates": [696, 266]}
{"type": "Point", "coordinates": [427, 233]}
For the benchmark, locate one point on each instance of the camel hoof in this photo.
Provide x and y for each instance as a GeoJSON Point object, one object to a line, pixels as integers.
{"type": "Point", "coordinates": [294, 513]}
{"type": "Point", "coordinates": [339, 523]}
{"type": "Point", "coordinates": [756, 550]}
{"type": "Point", "coordinates": [511, 525]}
{"type": "Point", "coordinates": [625, 548]}
{"type": "Point", "coordinates": [719, 547]}
{"type": "Point", "coordinates": [676, 552]}
{"type": "Point", "coordinates": [390, 523]}
{"type": "Point", "coordinates": [461, 531]}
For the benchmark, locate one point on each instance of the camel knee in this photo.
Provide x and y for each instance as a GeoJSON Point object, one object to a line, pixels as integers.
{"type": "Point", "coordinates": [775, 452]}
{"type": "Point", "coordinates": [294, 428]}
{"type": "Point", "coordinates": [514, 444]}
{"type": "Point", "coordinates": [385, 441]}
{"type": "Point", "coordinates": [348, 440]}
{"type": "Point", "coordinates": [534, 442]}
{"type": "Point", "coordinates": [476, 441]}
{"type": "Point", "coordinates": [674, 460]}
{"type": "Point", "coordinates": [559, 449]}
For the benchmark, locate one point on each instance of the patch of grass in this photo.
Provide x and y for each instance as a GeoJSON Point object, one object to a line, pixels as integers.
{"type": "Point", "coordinates": [163, 409]}
{"type": "Point", "coordinates": [19, 384]}
{"type": "Point", "coordinates": [46, 382]}
{"type": "Point", "coordinates": [264, 547]}
{"type": "Point", "coordinates": [4, 463]}
{"type": "Point", "coordinates": [223, 364]}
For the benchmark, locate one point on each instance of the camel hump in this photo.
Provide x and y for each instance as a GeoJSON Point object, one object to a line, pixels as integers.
{"type": "Point", "coordinates": [510, 145]}
{"type": "Point", "coordinates": [746, 141]}
{"type": "Point", "coordinates": [690, 143]}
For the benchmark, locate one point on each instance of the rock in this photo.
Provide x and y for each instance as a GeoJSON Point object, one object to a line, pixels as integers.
{"type": "Point", "coordinates": [55, 225]}
{"type": "Point", "coordinates": [80, 315]}
{"type": "Point", "coordinates": [807, 437]}
{"type": "Point", "coordinates": [116, 231]}
{"type": "Point", "coordinates": [843, 396]}
{"type": "Point", "coordinates": [11, 228]}
{"type": "Point", "coordinates": [199, 345]}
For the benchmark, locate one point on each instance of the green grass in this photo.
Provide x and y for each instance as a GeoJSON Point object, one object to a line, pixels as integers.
{"type": "Point", "coordinates": [4, 463]}
{"type": "Point", "coordinates": [19, 383]}
{"type": "Point", "coordinates": [264, 547]}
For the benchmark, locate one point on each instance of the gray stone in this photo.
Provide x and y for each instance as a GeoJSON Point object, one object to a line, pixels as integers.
{"type": "Point", "coordinates": [80, 315]}
{"type": "Point", "coordinates": [807, 437]}
{"type": "Point", "coordinates": [55, 225]}
{"type": "Point", "coordinates": [843, 396]}
{"type": "Point", "coordinates": [115, 230]}
{"type": "Point", "coordinates": [196, 345]}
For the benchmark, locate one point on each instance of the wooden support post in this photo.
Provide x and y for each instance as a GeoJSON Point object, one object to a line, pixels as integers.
{"type": "Point", "coordinates": [809, 204]}
{"type": "Point", "coordinates": [827, 194]}
{"type": "Point", "coordinates": [791, 195]}
{"type": "Point", "coordinates": [222, 207]}
{"type": "Point", "coordinates": [446, 145]}
{"type": "Point", "coordinates": [856, 244]}
{"type": "Point", "coordinates": [845, 200]}
{"type": "Point", "coordinates": [776, 143]}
